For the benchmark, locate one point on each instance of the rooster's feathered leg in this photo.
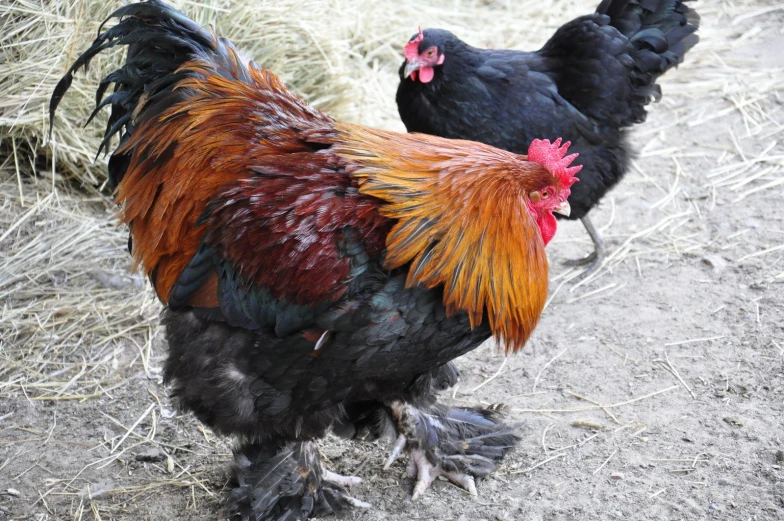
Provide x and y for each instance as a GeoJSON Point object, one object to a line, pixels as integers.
{"type": "Point", "coordinates": [455, 443]}
{"type": "Point", "coordinates": [286, 481]}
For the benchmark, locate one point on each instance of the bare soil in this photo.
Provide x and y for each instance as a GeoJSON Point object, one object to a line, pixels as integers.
{"type": "Point", "coordinates": [652, 391]}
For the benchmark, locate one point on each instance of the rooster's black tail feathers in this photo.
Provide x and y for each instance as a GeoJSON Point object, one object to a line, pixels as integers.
{"type": "Point", "coordinates": [160, 39]}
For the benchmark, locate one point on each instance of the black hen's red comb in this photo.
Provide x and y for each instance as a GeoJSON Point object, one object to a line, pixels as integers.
{"type": "Point", "coordinates": [411, 50]}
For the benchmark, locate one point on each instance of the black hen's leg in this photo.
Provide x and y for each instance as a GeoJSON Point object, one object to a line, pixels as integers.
{"type": "Point", "coordinates": [596, 258]}
{"type": "Point", "coordinates": [286, 481]}
{"type": "Point", "coordinates": [455, 443]}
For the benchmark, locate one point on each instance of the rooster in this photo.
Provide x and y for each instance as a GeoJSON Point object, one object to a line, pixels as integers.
{"type": "Point", "coordinates": [316, 272]}
{"type": "Point", "coordinates": [589, 83]}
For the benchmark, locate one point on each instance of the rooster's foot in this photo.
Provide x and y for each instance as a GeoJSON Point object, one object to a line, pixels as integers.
{"type": "Point", "coordinates": [459, 445]}
{"type": "Point", "coordinates": [286, 480]}
{"type": "Point", "coordinates": [339, 479]}
{"type": "Point", "coordinates": [420, 468]}
{"type": "Point", "coordinates": [425, 472]}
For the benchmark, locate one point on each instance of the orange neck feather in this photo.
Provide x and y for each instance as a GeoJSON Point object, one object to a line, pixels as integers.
{"type": "Point", "coordinates": [462, 221]}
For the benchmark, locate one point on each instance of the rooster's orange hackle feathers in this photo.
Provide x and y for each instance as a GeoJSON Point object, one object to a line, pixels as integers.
{"type": "Point", "coordinates": [461, 222]}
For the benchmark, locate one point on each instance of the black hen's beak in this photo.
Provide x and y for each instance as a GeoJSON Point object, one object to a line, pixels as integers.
{"type": "Point", "coordinates": [411, 66]}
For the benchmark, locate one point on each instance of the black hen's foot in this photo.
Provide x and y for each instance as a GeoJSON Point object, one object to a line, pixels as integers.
{"type": "Point", "coordinates": [590, 259]}
{"type": "Point", "coordinates": [457, 444]}
{"type": "Point", "coordinates": [594, 262]}
{"type": "Point", "coordinates": [596, 258]}
{"type": "Point", "coordinates": [286, 482]}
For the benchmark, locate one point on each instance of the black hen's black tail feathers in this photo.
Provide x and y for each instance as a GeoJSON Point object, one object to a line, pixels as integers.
{"type": "Point", "coordinates": [661, 32]}
{"type": "Point", "coordinates": [160, 39]}
{"type": "Point", "coordinates": [606, 64]}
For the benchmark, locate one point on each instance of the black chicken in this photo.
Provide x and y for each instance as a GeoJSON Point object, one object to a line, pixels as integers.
{"type": "Point", "coordinates": [589, 83]}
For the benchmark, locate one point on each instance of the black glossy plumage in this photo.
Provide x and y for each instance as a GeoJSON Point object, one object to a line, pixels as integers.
{"type": "Point", "coordinates": [383, 338]}
{"type": "Point", "coordinates": [588, 83]}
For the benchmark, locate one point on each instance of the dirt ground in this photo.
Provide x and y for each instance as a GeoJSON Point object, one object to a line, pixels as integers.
{"type": "Point", "coordinates": [652, 391]}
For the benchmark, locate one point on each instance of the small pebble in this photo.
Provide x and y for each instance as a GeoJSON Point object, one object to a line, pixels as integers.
{"type": "Point", "coordinates": [723, 481]}
{"type": "Point", "coordinates": [738, 422]}
{"type": "Point", "coordinates": [617, 475]}
{"type": "Point", "coordinates": [13, 492]}
{"type": "Point", "coordinates": [715, 262]}
{"type": "Point", "coordinates": [780, 455]}
{"type": "Point", "coordinates": [716, 506]}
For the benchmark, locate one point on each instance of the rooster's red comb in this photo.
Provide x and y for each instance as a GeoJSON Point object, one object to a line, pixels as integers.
{"type": "Point", "coordinates": [411, 50]}
{"type": "Point", "coordinates": [553, 157]}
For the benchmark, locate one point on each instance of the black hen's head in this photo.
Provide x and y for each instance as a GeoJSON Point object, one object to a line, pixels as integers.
{"type": "Point", "coordinates": [425, 53]}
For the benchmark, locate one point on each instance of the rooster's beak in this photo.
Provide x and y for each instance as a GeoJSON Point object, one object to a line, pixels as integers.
{"type": "Point", "coordinates": [563, 208]}
{"type": "Point", "coordinates": [411, 66]}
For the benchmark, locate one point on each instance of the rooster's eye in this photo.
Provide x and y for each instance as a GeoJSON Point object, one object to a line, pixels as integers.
{"type": "Point", "coordinates": [545, 193]}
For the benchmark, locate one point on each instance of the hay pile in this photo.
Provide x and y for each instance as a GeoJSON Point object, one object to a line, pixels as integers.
{"type": "Point", "coordinates": [41, 39]}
